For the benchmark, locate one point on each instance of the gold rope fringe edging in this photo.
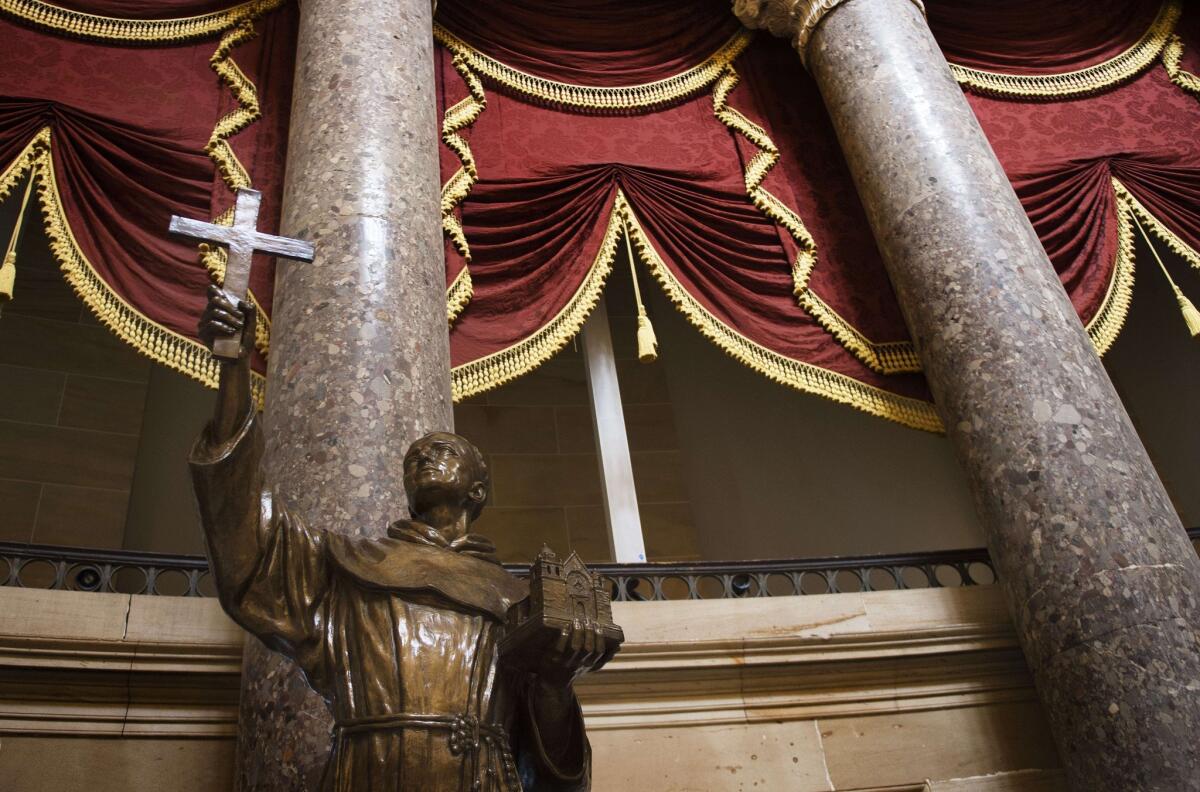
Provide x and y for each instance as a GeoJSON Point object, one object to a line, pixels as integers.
{"type": "Point", "coordinates": [233, 173]}
{"type": "Point", "coordinates": [243, 115]}
{"type": "Point", "coordinates": [1081, 82]}
{"type": "Point", "coordinates": [504, 366]}
{"type": "Point", "coordinates": [456, 189]}
{"type": "Point", "coordinates": [599, 99]}
{"type": "Point", "coordinates": [458, 294]}
{"type": "Point", "coordinates": [886, 358]}
{"type": "Point", "coordinates": [151, 339]}
{"type": "Point", "coordinates": [1106, 325]}
{"type": "Point", "coordinates": [133, 31]}
{"type": "Point", "coordinates": [804, 377]}
{"type": "Point", "coordinates": [1177, 245]}
{"type": "Point", "coordinates": [1172, 59]}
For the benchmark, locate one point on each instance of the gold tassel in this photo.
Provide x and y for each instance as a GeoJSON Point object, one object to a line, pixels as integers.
{"type": "Point", "coordinates": [8, 277]}
{"type": "Point", "coordinates": [647, 342]}
{"type": "Point", "coordinates": [8, 270]}
{"type": "Point", "coordinates": [1190, 315]}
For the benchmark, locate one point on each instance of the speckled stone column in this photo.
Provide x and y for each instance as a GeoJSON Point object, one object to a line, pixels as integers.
{"type": "Point", "coordinates": [359, 361]}
{"type": "Point", "coordinates": [1101, 580]}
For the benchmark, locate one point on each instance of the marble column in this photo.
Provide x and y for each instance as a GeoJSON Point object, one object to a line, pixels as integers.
{"type": "Point", "coordinates": [359, 359]}
{"type": "Point", "coordinates": [1100, 578]}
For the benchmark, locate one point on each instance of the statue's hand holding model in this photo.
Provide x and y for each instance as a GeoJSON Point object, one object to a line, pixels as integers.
{"type": "Point", "coordinates": [400, 635]}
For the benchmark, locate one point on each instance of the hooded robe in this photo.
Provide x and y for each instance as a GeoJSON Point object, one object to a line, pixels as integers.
{"type": "Point", "coordinates": [399, 635]}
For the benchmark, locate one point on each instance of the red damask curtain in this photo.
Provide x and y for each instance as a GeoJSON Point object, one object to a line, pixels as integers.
{"type": "Point", "coordinates": [155, 109]}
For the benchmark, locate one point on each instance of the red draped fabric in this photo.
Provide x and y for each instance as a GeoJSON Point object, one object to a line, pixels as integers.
{"type": "Point", "coordinates": [592, 42]}
{"type": "Point", "coordinates": [768, 254]}
{"type": "Point", "coordinates": [116, 135]}
{"type": "Point", "coordinates": [571, 125]}
{"type": "Point", "coordinates": [557, 185]}
{"type": "Point", "coordinates": [1042, 37]}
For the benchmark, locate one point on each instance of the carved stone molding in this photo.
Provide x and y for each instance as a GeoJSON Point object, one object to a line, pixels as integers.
{"type": "Point", "coordinates": [793, 19]}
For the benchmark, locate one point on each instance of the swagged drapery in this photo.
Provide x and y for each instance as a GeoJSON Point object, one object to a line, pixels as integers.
{"type": "Point", "coordinates": [567, 125]}
{"type": "Point", "coordinates": [116, 114]}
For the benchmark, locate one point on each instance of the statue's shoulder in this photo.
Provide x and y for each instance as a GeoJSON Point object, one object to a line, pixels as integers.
{"type": "Point", "coordinates": [398, 565]}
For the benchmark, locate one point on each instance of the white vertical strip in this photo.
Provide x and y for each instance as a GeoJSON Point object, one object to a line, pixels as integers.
{"type": "Point", "coordinates": [612, 443]}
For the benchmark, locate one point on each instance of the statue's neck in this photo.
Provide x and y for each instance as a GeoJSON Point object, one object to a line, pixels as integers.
{"type": "Point", "coordinates": [449, 522]}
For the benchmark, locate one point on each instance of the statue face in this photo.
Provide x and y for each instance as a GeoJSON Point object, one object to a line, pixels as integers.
{"type": "Point", "coordinates": [440, 469]}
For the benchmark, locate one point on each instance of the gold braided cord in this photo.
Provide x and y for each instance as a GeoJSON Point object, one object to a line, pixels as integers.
{"type": "Point", "coordinates": [797, 374]}
{"type": "Point", "coordinates": [456, 189]}
{"type": "Point", "coordinates": [458, 294]}
{"type": "Point", "coordinates": [156, 342]}
{"type": "Point", "coordinates": [1106, 324]}
{"type": "Point", "coordinates": [508, 364]}
{"type": "Point", "coordinates": [247, 111]}
{"type": "Point", "coordinates": [243, 115]}
{"type": "Point", "coordinates": [886, 358]}
{"type": "Point", "coordinates": [1172, 60]}
{"type": "Point", "coordinates": [1081, 82]}
{"type": "Point", "coordinates": [599, 99]}
{"type": "Point", "coordinates": [1177, 245]}
{"type": "Point", "coordinates": [134, 31]}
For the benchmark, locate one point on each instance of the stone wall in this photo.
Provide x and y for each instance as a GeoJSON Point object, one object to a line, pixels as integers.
{"type": "Point", "coordinates": [538, 436]}
{"type": "Point", "coordinates": [71, 397]}
{"type": "Point", "coordinates": [876, 691]}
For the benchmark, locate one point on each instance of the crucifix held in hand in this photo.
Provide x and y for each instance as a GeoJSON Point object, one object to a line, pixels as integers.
{"type": "Point", "coordinates": [242, 238]}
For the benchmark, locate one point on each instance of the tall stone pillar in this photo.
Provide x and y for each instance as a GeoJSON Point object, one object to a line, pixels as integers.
{"type": "Point", "coordinates": [1100, 578]}
{"type": "Point", "coordinates": [359, 359]}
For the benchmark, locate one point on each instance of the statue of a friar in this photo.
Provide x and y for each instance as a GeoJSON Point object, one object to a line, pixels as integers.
{"type": "Point", "coordinates": [401, 635]}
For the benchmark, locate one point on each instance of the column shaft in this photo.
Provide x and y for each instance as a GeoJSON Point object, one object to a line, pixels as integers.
{"type": "Point", "coordinates": [1099, 575]}
{"type": "Point", "coordinates": [359, 362]}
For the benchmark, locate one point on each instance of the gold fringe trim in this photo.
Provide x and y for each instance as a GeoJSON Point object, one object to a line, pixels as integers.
{"type": "Point", "coordinates": [458, 187]}
{"type": "Point", "coordinates": [233, 173]}
{"type": "Point", "coordinates": [134, 328]}
{"type": "Point", "coordinates": [458, 295]}
{"type": "Point", "coordinates": [599, 99]}
{"type": "Point", "coordinates": [886, 358]}
{"type": "Point", "coordinates": [1172, 59]}
{"type": "Point", "coordinates": [133, 31]}
{"type": "Point", "coordinates": [1177, 245]}
{"type": "Point", "coordinates": [246, 113]}
{"type": "Point", "coordinates": [804, 377]}
{"type": "Point", "coordinates": [504, 366]}
{"type": "Point", "coordinates": [1081, 82]}
{"type": "Point", "coordinates": [1106, 324]}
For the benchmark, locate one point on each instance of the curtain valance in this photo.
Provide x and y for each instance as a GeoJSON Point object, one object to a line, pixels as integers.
{"type": "Point", "coordinates": [737, 200]}
{"type": "Point", "coordinates": [112, 139]}
{"type": "Point", "coordinates": [570, 127]}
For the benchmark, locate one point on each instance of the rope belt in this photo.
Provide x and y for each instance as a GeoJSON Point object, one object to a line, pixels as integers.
{"type": "Point", "coordinates": [466, 734]}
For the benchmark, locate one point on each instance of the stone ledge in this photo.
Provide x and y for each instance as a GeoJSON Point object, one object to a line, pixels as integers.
{"type": "Point", "coordinates": [871, 691]}
{"type": "Point", "coordinates": [177, 660]}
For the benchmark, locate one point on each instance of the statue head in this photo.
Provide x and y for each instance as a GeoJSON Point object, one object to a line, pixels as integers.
{"type": "Point", "coordinates": [445, 471]}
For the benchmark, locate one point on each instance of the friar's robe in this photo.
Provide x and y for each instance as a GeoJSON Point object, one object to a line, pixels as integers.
{"type": "Point", "coordinates": [399, 635]}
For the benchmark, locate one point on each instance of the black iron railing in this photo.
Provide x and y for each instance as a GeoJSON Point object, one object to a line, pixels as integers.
{"type": "Point", "coordinates": [128, 572]}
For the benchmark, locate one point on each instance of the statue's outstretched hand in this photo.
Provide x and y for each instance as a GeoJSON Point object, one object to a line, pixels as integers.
{"type": "Point", "coordinates": [580, 649]}
{"type": "Point", "coordinates": [223, 319]}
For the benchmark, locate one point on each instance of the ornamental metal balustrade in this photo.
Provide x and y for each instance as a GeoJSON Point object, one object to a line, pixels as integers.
{"type": "Point", "coordinates": [126, 572]}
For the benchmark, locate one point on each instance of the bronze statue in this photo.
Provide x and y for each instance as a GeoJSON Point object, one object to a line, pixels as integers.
{"type": "Point", "coordinates": [401, 635]}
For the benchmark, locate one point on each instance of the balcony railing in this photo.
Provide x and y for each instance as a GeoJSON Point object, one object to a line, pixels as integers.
{"type": "Point", "coordinates": [128, 572]}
